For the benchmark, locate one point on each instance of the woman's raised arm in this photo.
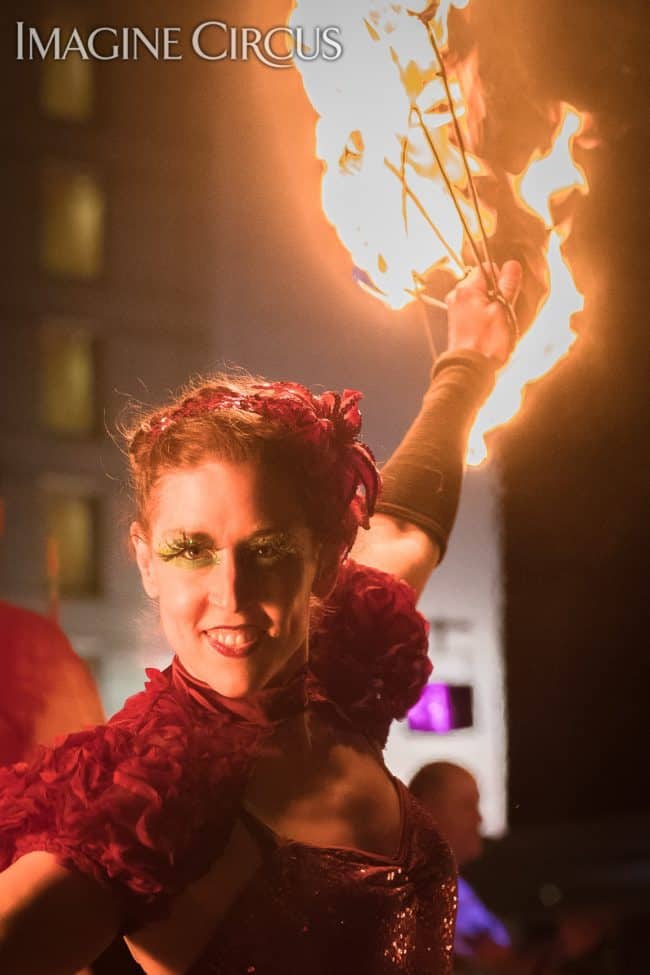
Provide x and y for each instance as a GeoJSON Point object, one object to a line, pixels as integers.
{"type": "Point", "coordinates": [53, 921]}
{"type": "Point", "coordinates": [421, 481]}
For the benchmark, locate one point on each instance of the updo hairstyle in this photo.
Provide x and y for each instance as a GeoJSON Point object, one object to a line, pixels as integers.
{"type": "Point", "coordinates": [239, 418]}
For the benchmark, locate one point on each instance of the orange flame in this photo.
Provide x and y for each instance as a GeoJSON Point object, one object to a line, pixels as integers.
{"type": "Point", "coordinates": [544, 180]}
{"type": "Point", "coordinates": [395, 184]}
{"type": "Point", "coordinates": [547, 176]}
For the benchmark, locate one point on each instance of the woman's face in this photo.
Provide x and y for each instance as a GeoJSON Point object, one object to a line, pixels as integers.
{"type": "Point", "coordinates": [232, 564]}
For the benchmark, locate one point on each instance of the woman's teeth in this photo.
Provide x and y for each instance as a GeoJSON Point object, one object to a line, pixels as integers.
{"type": "Point", "coordinates": [240, 637]}
{"type": "Point", "coordinates": [234, 641]}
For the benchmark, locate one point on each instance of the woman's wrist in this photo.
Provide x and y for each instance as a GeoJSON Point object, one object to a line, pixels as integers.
{"type": "Point", "coordinates": [473, 359]}
{"type": "Point", "coordinates": [422, 479]}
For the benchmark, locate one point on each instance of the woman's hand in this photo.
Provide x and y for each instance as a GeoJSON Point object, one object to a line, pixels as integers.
{"type": "Point", "coordinates": [479, 322]}
{"type": "Point", "coordinates": [422, 479]}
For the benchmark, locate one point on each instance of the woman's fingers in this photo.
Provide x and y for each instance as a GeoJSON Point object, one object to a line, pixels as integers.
{"type": "Point", "coordinates": [473, 282]}
{"type": "Point", "coordinates": [509, 280]}
{"type": "Point", "coordinates": [476, 283]}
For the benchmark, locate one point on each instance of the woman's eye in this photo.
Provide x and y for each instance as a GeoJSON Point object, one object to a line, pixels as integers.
{"type": "Point", "coordinates": [266, 552]}
{"type": "Point", "coordinates": [199, 553]}
{"type": "Point", "coordinates": [269, 553]}
{"type": "Point", "coordinates": [193, 552]}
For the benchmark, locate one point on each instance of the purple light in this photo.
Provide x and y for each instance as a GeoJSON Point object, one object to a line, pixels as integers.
{"type": "Point", "coordinates": [433, 712]}
{"type": "Point", "coordinates": [442, 708]}
{"type": "Point", "coordinates": [474, 921]}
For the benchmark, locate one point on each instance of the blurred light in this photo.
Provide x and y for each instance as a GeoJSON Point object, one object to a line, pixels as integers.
{"type": "Point", "coordinates": [72, 238]}
{"type": "Point", "coordinates": [67, 379]}
{"type": "Point", "coordinates": [67, 87]}
{"type": "Point", "coordinates": [474, 921]}
{"type": "Point", "coordinates": [73, 522]}
{"type": "Point", "coordinates": [442, 708]}
{"type": "Point", "coordinates": [550, 895]}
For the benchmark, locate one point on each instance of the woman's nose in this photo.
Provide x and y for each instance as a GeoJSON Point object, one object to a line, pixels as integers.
{"type": "Point", "coordinates": [226, 583]}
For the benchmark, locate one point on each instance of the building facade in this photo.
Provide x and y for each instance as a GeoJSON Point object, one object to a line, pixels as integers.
{"type": "Point", "coordinates": [110, 202]}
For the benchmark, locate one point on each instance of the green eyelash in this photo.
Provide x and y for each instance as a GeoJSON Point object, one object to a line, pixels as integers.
{"type": "Point", "coordinates": [277, 547]}
{"type": "Point", "coordinates": [188, 551]}
{"type": "Point", "coordinates": [195, 552]}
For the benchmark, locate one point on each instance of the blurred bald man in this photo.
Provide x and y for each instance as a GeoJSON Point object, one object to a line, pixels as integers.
{"type": "Point", "coordinates": [451, 794]}
{"type": "Point", "coordinates": [481, 943]}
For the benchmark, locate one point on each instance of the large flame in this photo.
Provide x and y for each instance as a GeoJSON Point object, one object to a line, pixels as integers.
{"type": "Point", "coordinates": [387, 137]}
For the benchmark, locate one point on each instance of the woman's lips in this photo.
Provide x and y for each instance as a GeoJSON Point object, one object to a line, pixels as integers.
{"type": "Point", "coordinates": [234, 641]}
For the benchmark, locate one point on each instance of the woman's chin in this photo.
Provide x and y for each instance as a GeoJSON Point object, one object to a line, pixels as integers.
{"type": "Point", "coordinates": [238, 687]}
{"type": "Point", "coordinates": [235, 678]}
{"type": "Point", "coordinates": [239, 682]}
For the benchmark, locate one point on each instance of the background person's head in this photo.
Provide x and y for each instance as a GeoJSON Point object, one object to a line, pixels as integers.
{"type": "Point", "coordinates": [451, 794]}
{"type": "Point", "coordinates": [247, 496]}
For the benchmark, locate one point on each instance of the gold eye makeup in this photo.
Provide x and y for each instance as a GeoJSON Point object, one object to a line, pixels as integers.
{"type": "Point", "coordinates": [197, 550]}
{"type": "Point", "coordinates": [268, 548]}
{"type": "Point", "coordinates": [188, 550]}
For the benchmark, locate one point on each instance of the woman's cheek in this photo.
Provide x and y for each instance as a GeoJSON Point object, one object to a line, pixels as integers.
{"type": "Point", "coordinates": [295, 594]}
{"type": "Point", "coordinates": [296, 577]}
{"type": "Point", "coordinates": [183, 594]}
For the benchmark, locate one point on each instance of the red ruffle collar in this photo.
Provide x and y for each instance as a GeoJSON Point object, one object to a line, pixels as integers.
{"type": "Point", "coordinates": [368, 662]}
{"type": "Point", "coordinates": [265, 708]}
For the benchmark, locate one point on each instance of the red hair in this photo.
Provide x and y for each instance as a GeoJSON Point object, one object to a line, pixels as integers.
{"type": "Point", "coordinates": [313, 439]}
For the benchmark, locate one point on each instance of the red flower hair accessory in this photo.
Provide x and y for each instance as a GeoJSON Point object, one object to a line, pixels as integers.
{"type": "Point", "coordinates": [369, 654]}
{"type": "Point", "coordinates": [328, 423]}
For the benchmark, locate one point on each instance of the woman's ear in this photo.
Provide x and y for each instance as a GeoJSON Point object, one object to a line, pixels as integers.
{"type": "Point", "coordinates": [329, 561]}
{"type": "Point", "coordinates": [144, 558]}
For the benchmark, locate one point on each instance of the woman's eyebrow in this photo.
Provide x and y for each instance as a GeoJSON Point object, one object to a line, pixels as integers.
{"type": "Point", "coordinates": [274, 532]}
{"type": "Point", "coordinates": [271, 530]}
{"type": "Point", "coordinates": [199, 536]}
{"type": "Point", "coordinates": [279, 537]}
{"type": "Point", "coordinates": [204, 537]}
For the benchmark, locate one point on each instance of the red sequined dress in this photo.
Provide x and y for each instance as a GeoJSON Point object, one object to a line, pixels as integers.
{"type": "Point", "coordinates": [145, 803]}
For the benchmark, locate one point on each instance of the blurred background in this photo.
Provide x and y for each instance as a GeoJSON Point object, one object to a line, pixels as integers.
{"type": "Point", "coordinates": [164, 218]}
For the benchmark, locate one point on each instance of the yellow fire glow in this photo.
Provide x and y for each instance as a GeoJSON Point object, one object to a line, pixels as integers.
{"type": "Point", "coordinates": [546, 176]}
{"type": "Point", "coordinates": [386, 137]}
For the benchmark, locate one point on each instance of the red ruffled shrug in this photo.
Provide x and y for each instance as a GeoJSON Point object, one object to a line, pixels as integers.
{"type": "Point", "coordinates": [144, 803]}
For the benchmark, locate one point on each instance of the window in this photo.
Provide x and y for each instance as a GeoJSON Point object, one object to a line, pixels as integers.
{"type": "Point", "coordinates": [72, 239]}
{"type": "Point", "coordinates": [67, 87]}
{"type": "Point", "coordinates": [72, 527]}
{"type": "Point", "coordinates": [67, 379]}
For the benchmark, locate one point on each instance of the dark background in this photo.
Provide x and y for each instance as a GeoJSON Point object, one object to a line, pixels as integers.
{"type": "Point", "coordinates": [576, 472]}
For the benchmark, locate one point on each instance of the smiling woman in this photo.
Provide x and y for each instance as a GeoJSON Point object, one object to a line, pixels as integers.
{"type": "Point", "coordinates": [232, 565]}
{"type": "Point", "coordinates": [236, 815]}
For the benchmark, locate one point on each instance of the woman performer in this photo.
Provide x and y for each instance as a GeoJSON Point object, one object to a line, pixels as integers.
{"type": "Point", "coordinates": [236, 815]}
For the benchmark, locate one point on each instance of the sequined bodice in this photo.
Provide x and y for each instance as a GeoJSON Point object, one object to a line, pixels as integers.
{"type": "Point", "coordinates": [321, 911]}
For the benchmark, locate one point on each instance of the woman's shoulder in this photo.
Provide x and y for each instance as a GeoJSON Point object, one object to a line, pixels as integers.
{"type": "Point", "coordinates": [369, 652]}
{"type": "Point", "coordinates": [127, 802]}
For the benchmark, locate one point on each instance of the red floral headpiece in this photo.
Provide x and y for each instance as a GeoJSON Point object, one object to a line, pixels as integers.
{"type": "Point", "coordinates": [329, 423]}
